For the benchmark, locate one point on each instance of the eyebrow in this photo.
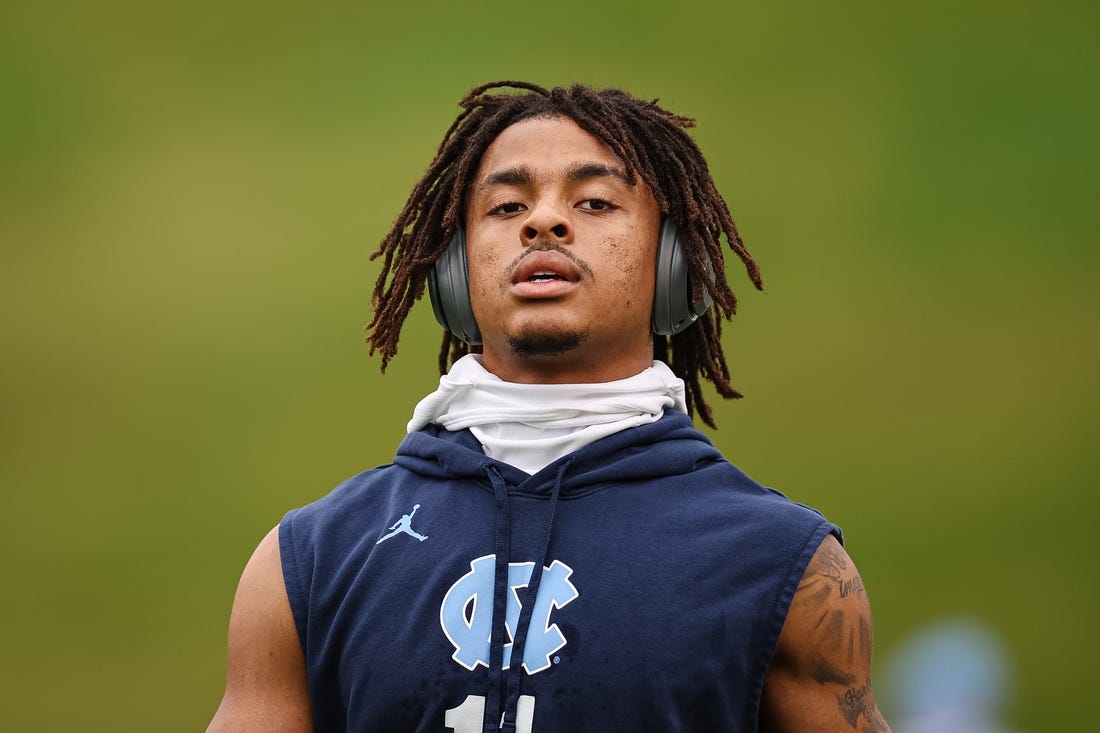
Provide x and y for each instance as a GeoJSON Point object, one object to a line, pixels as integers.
{"type": "Point", "coordinates": [518, 176]}
{"type": "Point", "coordinates": [596, 170]}
{"type": "Point", "coordinates": [522, 175]}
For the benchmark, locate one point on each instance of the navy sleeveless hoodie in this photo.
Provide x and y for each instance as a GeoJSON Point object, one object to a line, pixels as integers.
{"type": "Point", "coordinates": [665, 578]}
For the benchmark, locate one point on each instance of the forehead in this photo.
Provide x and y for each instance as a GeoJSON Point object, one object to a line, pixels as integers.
{"type": "Point", "coordinates": [545, 144]}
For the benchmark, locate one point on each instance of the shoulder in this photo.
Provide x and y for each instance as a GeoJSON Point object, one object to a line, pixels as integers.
{"type": "Point", "coordinates": [782, 521]}
{"type": "Point", "coordinates": [350, 491]}
{"type": "Point", "coordinates": [335, 520]}
{"type": "Point", "coordinates": [336, 512]}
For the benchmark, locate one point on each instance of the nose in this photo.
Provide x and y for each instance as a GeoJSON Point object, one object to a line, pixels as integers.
{"type": "Point", "coordinates": [547, 222]}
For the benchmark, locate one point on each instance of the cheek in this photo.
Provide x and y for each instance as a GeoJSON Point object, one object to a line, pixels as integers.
{"type": "Point", "coordinates": [631, 269]}
{"type": "Point", "coordinates": [477, 293]}
{"type": "Point", "coordinates": [483, 276]}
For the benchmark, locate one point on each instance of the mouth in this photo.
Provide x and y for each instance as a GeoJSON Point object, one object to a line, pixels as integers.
{"type": "Point", "coordinates": [545, 266]}
{"type": "Point", "coordinates": [544, 274]}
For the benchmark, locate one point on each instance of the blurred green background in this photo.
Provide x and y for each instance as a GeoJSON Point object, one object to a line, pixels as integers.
{"type": "Point", "coordinates": [189, 194]}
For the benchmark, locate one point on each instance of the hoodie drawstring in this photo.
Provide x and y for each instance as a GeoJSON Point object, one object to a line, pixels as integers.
{"type": "Point", "coordinates": [527, 609]}
{"type": "Point", "coordinates": [511, 680]}
{"type": "Point", "coordinates": [502, 541]}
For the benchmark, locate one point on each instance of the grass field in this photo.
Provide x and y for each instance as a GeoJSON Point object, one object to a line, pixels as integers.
{"type": "Point", "coordinates": [189, 195]}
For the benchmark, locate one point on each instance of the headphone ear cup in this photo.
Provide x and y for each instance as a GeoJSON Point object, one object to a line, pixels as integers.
{"type": "Point", "coordinates": [673, 308]}
{"type": "Point", "coordinates": [449, 289]}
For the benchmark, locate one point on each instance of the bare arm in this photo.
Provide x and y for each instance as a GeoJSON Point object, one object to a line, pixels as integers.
{"type": "Point", "coordinates": [820, 677]}
{"type": "Point", "coordinates": [266, 688]}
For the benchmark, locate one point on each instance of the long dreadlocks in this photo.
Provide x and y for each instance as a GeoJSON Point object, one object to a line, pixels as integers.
{"type": "Point", "coordinates": [652, 144]}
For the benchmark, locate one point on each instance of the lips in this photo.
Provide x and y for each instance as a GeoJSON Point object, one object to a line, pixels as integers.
{"type": "Point", "coordinates": [544, 274]}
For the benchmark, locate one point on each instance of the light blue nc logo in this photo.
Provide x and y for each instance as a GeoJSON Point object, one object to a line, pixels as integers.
{"type": "Point", "coordinates": [467, 611]}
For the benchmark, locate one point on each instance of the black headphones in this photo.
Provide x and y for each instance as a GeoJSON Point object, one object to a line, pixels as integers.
{"type": "Point", "coordinates": [673, 308]}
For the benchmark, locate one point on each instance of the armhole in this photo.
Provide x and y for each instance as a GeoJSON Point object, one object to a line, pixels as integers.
{"type": "Point", "coordinates": [778, 614]}
{"type": "Point", "coordinates": [293, 578]}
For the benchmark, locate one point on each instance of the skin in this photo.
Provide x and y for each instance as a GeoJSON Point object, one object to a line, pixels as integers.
{"type": "Point", "coordinates": [550, 198]}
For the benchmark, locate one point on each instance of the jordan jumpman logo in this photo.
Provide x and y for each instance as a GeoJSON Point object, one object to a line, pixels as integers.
{"type": "Point", "coordinates": [403, 525]}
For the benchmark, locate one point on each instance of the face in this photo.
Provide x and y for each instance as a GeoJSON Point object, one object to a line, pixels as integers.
{"type": "Point", "coordinates": [562, 253]}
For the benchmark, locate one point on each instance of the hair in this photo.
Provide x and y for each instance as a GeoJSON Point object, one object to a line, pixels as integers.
{"type": "Point", "coordinates": [652, 144]}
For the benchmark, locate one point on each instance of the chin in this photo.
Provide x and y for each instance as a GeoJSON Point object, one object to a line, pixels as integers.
{"type": "Point", "coordinates": [546, 343]}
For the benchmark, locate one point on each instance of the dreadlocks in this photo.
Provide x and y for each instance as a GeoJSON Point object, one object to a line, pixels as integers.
{"type": "Point", "coordinates": [652, 144]}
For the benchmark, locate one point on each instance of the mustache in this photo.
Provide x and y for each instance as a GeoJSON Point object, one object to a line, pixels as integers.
{"type": "Point", "coordinates": [550, 247]}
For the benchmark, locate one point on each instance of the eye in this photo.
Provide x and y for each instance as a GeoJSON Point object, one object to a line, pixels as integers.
{"type": "Point", "coordinates": [508, 208]}
{"type": "Point", "coordinates": [596, 205]}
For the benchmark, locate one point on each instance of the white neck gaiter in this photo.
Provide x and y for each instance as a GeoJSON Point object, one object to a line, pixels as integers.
{"type": "Point", "coordinates": [531, 425]}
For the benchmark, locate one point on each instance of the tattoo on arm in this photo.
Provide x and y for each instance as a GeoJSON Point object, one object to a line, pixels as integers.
{"type": "Point", "coordinates": [842, 643]}
{"type": "Point", "coordinates": [857, 705]}
{"type": "Point", "coordinates": [838, 637]}
{"type": "Point", "coordinates": [834, 565]}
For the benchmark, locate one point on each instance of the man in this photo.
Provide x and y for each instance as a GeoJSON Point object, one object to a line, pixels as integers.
{"type": "Point", "coordinates": [589, 561]}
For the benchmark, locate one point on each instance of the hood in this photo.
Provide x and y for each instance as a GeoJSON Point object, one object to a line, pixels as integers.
{"type": "Point", "coordinates": [667, 447]}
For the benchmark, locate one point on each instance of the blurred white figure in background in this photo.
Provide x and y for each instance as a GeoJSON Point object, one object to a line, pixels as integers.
{"type": "Point", "coordinates": [953, 676]}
